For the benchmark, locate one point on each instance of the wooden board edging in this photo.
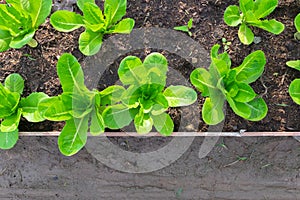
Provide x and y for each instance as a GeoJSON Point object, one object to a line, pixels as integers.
{"type": "Point", "coordinates": [176, 134]}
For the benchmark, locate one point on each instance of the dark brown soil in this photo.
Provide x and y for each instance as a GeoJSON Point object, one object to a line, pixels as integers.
{"type": "Point", "coordinates": [269, 168]}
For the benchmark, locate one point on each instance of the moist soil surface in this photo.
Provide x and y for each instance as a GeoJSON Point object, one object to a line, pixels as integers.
{"type": "Point", "coordinates": [235, 167]}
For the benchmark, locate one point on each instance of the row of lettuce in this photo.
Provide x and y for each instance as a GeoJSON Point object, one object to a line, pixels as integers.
{"type": "Point", "coordinates": [19, 20]}
{"type": "Point", "coordinates": [143, 98]}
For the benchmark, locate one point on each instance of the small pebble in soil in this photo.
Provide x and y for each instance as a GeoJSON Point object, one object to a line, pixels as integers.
{"type": "Point", "coordinates": [257, 40]}
{"type": "Point", "coordinates": [55, 178]}
{"type": "Point", "coordinates": [63, 5]}
{"type": "Point", "coordinates": [123, 144]}
{"type": "Point", "coordinates": [194, 60]}
{"type": "Point", "coordinates": [190, 127]}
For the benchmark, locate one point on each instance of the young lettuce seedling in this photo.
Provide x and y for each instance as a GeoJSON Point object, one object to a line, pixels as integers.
{"type": "Point", "coordinates": [146, 100]}
{"type": "Point", "coordinates": [77, 105]}
{"type": "Point", "coordinates": [96, 23]}
{"type": "Point", "coordinates": [226, 44]}
{"type": "Point", "coordinates": [220, 84]}
{"type": "Point", "coordinates": [294, 88]}
{"type": "Point", "coordinates": [13, 107]}
{"type": "Point", "coordinates": [19, 20]}
{"type": "Point", "coordinates": [250, 13]}
{"type": "Point", "coordinates": [185, 28]}
{"type": "Point", "coordinates": [297, 25]}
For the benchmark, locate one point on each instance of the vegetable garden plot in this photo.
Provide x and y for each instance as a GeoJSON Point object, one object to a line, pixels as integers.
{"type": "Point", "coordinates": [144, 100]}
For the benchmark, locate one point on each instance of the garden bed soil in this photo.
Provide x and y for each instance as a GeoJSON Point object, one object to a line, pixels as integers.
{"type": "Point", "coordinates": [37, 65]}
{"type": "Point", "coordinates": [35, 169]}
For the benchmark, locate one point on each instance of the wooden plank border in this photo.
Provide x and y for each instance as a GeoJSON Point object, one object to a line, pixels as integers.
{"type": "Point", "coordinates": [176, 134]}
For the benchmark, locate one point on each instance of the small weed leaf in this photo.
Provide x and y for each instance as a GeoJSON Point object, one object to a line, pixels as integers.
{"type": "Point", "coordinates": [186, 28]}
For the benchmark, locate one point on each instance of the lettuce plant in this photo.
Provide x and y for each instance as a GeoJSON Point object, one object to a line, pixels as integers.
{"type": "Point", "coordinates": [77, 105]}
{"type": "Point", "coordinates": [95, 22]}
{"type": "Point", "coordinates": [19, 20]}
{"type": "Point", "coordinates": [251, 13]}
{"type": "Point", "coordinates": [294, 88]}
{"type": "Point", "coordinates": [221, 83]}
{"type": "Point", "coordinates": [146, 100]}
{"type": "Point", "coordinates": [13, 107]}
{"type": "Point", "coordinates": [297, 25]}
